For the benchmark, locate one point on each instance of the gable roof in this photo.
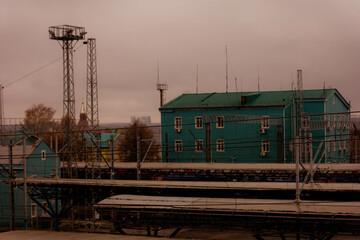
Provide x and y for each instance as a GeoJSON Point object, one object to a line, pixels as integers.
{"type": "Point", "coordinates": [17, 152]}
{"type": "Point", "coordinates": [254, 99]}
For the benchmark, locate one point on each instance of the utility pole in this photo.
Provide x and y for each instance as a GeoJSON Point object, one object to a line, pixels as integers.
{"type": "Point", "coordinates": [2, 117]}
{"type": "Point", "coordinates": [67, 36]}
{"type": "Point", "coordinates": [11, 176]}
{"type": "Point", "coordinates": [25, 184]}
{"type": "Point", "coordinates": [138, 157]}
{"type": "Point", "coordinates": [112, 157]}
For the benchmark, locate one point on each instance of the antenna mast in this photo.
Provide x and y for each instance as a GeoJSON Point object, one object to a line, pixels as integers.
{"type": "Point", "coordinates": [226, 53]}
{"type": "Point", "coordinates": [197, 78]}
{"type": "Point", "coordinates": [66, 35]}
{"type": "Point", "coordinates": [258, 78]}
{"type": "Point", "coordinates": [161, 87]}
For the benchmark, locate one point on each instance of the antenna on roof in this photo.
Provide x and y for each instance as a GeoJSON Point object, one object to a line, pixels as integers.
{"type": "Point", "coordinates": [236, 85]}
{"type": "Point", "coordinates": [258, 78]}
{"type": "Point", "coordinates": [226, 53]}
{"type": "Point", "coordinates": [161, 87]}
{"type": "Point", "coordinates": [197, 78]}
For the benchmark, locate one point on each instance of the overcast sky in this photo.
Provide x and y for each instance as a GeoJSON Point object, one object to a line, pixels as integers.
{"type": "Point", "coordinates": [272, 37]}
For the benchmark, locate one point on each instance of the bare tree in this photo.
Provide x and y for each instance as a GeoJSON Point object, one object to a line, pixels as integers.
{"type": "Point", "coordinates": [128, 144]}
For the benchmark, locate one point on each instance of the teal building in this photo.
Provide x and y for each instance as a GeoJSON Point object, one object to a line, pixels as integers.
{"type": "Point", "coordinates": [40, 162]}
{"type": "Point", "coordinates": [255, 127]}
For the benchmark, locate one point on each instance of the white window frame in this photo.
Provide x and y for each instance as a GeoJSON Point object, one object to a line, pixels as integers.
{"type": "Point", "coordinates": [178, 146]}
{"type": "Point", "coordinates": [220, 123]}
{"type": "Point", "coordinates": [178, 123]}
{"type": "Point", "coordinates": [334, 122]}
{"type": "Point", "coordinates": [305, 121]}
{"type": "Point", "coordinates": [33, 210]}
{"type": "Point", "coordinates": [265, 146]}
{"type": "Point", "coordinates": [265, 122]}
{"type": "Point", "coordinates": [328, 124]}
{"type": "Point", "coordinates": [198, 122]}
{"type": "Point", "coordinates": [199, 142]}
{"type": "Point", "coordinates": [43, 154]}
{"type": "Point", "coordinates": [220, 145]}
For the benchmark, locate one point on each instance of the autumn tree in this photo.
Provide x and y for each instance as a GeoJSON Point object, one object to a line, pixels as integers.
{"type": "Point", "coordinates": [39, 119]}
{"type": "Point", "coordinates": [128, 144]}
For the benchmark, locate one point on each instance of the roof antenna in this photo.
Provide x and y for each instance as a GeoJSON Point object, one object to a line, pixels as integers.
{"type": "Point", "coordinates": [236, 85]}
{"type": "Point", "coordinates": [197, 78]}
{"type": "Point", "coordinates": [258, 78]}
{"type": "Point", "coordinates": [226, 53]}
{"type": "Point", "coordinates": [161, 87]}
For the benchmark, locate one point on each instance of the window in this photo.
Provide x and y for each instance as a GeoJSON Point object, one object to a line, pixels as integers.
{"type": "Point", "coordinates": [328, 122]}
{"type": "Point", "coordinates": [198, 122]}
{"type": "Point", "coordinates": [198, 145]}
{"type": "Point", "coordinates": [43, 154]}
{"type": "Point", "coordinates": [328, 145]}
{"type": "Point", "coordinates": [305, 121]}
{"type": "Point", "coordinates": [264, 121]}
{"type": "Point", "coordinates": [334, 122]}
{"type": "Point", "coordinates": [178, 123]}
{"type": "Point", "coordinates": [45, 205]}
{"type": "Point", "coordinates": [220, 121]}
{"type": "Point", "coordinates": [265, 146]}
{"type": "Point", "coordinates": [334, 144]}
{"type": "Point", "coordinates": [178, 145]}
{"type": "Point", "coordinates": [33, 210]}
{"type": "Point", "coordinates": [340, 145]}
{"type": "Point", "coordinates": [220, 145]}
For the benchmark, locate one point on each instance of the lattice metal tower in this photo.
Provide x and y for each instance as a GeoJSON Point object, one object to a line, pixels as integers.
{"type": "Point", "coordinates": [67, 36]}
{"type": "Point", "coordinates": [92, 108]}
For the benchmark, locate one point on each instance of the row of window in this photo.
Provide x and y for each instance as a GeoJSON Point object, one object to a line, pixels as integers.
{"type": "Point", "coordinates": [337, 122]}
{"type": "Point", "coordinates": [220, 146]}
{"type": "Point", "coordinates": [219, 122]}
{"type": "Point", "coordinates": [340, 145]}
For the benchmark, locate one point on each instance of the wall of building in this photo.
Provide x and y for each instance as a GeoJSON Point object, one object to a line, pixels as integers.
{"type": "Point", "coordinates": [39, 163]}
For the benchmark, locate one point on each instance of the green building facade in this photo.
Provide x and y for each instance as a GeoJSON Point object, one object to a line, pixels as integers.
{"type": "Point", "coordinates": [254, 127]}
{"type": "Point", "coordinates": [40, 162]}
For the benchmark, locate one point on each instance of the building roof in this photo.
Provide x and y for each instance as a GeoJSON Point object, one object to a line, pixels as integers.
{"type": "Point", "coordinates": [105, 139]}
{"type": "Point", "coordinates": [252, 99]}
{"type": "Point", "coordinates": [18, 152]}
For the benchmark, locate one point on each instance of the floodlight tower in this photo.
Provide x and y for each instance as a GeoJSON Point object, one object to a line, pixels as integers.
{"type": "Point", "coordinates": [68, 36]}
